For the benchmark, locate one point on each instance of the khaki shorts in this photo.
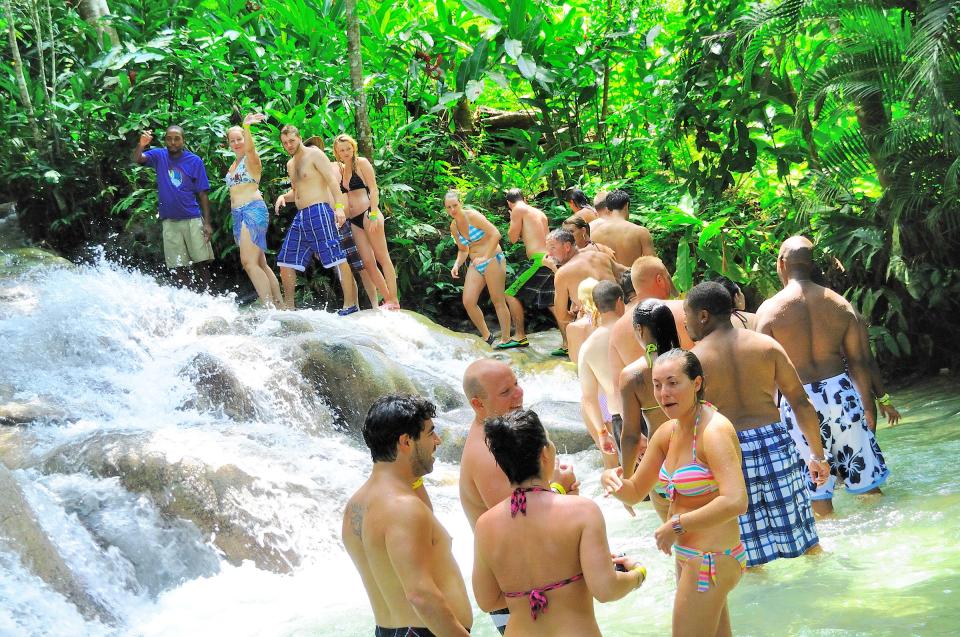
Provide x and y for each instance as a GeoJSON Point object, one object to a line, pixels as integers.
{"type": "Point", "coordinates": [184, 244]}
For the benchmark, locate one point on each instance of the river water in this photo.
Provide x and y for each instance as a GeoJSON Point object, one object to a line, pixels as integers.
{"type": "Point", "coordinates": [105, 347]}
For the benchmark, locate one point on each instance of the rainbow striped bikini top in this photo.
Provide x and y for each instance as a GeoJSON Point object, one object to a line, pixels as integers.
{"type": "Point", "coordinates": [691, 480]}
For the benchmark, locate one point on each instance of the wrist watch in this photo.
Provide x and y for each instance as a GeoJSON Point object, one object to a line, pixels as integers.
{"type": "Point", "coordinates": [677, 527]}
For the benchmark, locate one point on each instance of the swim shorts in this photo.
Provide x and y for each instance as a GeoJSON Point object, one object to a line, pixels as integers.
{"type": "Point", "coordinates": [534, 287]}
{"type": "Point", "coordinates": [779, 519]}
{"type": "Point", "coordinates": [349, 248]}
{"type": "Point", "coordinates": [402, 632]}
{"type": "Point", "coordinates": [500, 619]}
{"type": "Point", "coordinates": [853, 452]}
{"type": "Point", "coordinates": [313, 231]}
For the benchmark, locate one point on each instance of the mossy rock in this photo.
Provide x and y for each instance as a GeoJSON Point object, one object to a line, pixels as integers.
{"type": "Point", "coordinates": [16, 261]}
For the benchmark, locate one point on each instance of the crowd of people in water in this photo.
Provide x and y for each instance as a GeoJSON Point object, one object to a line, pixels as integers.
{"type": "Point", "coordinates": [738, 427]}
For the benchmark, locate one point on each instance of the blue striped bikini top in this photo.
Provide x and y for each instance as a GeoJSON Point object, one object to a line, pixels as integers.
{"type": "Point", "coordinates": [474, 234]}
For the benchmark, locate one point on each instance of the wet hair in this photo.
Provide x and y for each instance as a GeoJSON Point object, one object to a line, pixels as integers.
{"type": "Point", "coordinates": [730, 286]}
{"type": "Point", "coordinates": [691, 365]}
{"type": "Point", "coordinates": [514, 195]}
{"type": "Point", "coordinates": [562, 236]}
{"type": "Point", "coordinates": [289, 129]}
{"type": "Point", "coordinates": [452, 194]}
{"type": "Point", "coordinates": [712, 297]}
{"type": "Point", "coordinates": [516, 441]}
{"type": "Point", "coordinates": [576, 195]}
{"type": "Point", "coordinates": [343, 137]}
{"type": "Point", "coordinates": [618, 200]}
{"type": "Point", "coordinates": [657, 317]}
{"type": "Point", "coordinates": [577, 221]}
{"type": "Point", "coordinates": [314, 141]}
{"type": "Point", "coordinates": [626, 284]}
{"type": "Point", "coordinates": [390, 417]}
{"type": "Point", "coordinates": [606, 294]}
{"type": "Point", "coordinates": [585, 296]}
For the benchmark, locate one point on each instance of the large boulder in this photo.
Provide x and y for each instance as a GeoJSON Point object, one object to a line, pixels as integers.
{"type": "Point", "coordinates": [215, 499]}
{"type": "Point", "coordinates": [349, 377]}
{"type": "Point", "coordinates": [218, 388]}
{"type": "Point", "coordinates": [16, 261]}
{"type": "Point", "coordinates": [22, 534]}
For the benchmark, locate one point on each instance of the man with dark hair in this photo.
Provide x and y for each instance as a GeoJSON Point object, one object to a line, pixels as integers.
{"type": "Point", "coordinates": [575, 266]}
{"type": "Point", "coordinates": [577, 201]}
{"type": "Point", "coordinates": [534, 287]}
{"type": "Point", "coordinates": [182, 187]}
{"type": "Point", "coordinates": [492, 390]}
{"type": "Point", "coordinates": [580, 229]}
{"type": "Point", "coordinates": [315, 188]}
{"type": "Point", "coordinates": [626, 284]}
{"type": "Point", "coordinates": [628, 240]}
{"type": "Point", "coordinates": [821, 333]}
{"type": "Point", "coordinates": [743, 370]}
{"type": "Point", "coordinates": [599, 401]}
{"type": "Point", "coordinates": [402, 552]}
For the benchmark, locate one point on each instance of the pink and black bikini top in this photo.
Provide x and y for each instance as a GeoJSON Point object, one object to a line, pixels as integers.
{"type": "Point", "coordinates": [537, 596]}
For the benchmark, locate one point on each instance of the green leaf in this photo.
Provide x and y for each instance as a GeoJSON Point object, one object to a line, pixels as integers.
{"type": "Point", "coordinates": [528, 68]}
{"type": "Point", "coordinates": [683, 275]}
{"type": "Point", "coordinates": [481, 10]}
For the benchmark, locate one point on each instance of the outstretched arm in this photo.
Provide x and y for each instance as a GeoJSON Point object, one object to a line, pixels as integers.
{"type": "Point", "coordinates": [605, 583]}
{"type": "Point", "coordinates": [137, 155]}
{"type": "Point", "coordinates": [253, 158]}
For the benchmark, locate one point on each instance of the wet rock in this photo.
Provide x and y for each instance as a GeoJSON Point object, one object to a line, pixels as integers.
{"type": "Point", "coordinates": [349, 377]}
{"type": "Point", "coordinates": [22, 534]}
{"type": "Point", "coordinates": [16, 261]}
{"type": "Point", "coordinates": [218, 388]}
{"type": "Point", "coordinates": [16, 412]}
{"type": "Point", "coordinates": [289, 323]}
{"type": "Point", "coordinates": [214, 499]}
{"type": "Point", "coordinates": [214, 327]}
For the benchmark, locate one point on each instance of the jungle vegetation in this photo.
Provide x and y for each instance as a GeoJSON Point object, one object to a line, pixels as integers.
{"type": "Point", "coordinates": [732, 125]}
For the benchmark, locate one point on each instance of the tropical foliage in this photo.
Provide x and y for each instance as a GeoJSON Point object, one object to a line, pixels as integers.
{"type": "Point", "coordinates": [731, 123]}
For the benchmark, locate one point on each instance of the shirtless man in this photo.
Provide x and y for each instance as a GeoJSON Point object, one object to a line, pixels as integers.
{"type": "Point", "coordinates": [740, 318]}
{"type": "Point", "coordinates": [401, 550]}
{"type": "Point", "coordinates": [628, 240]}
{"type": "Point", "coordinates": [650, 281]}
{"type": "Point", "coordinates": [491, 388]}
{"type": "Point", "coordinates": [600, 201]}
{"type": "Point", "coordinates": [313, 187]}
{"type": "Point", "coordinates": [743, 371]}
{"type": "Point", "coordinates": [580, 229]}
{"type": "Point", "coordinates": [593, 368]}
{"type": "Point", "coordinates": [575, 266]}
{"type": "Point", "coordinates": [534, 287]}
{"type": "Point", "coordinates": [821, 333]}
{"type": "Point", "coordinates": [577, 201]}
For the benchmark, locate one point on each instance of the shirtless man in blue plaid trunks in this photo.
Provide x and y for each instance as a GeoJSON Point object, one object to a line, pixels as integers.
{"type": "Point", "coordinates": [743, 371]}
{"type": "Point", "coordinates": [821, 333]}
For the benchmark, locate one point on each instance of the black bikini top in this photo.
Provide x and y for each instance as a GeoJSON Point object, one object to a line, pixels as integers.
{"type": "Point", "coordinates": [356, 183]}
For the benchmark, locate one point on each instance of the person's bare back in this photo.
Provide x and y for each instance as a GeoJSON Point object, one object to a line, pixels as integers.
{"type": "Point", "coordinates": [812, 323]}
{"type": "Point", "coordinates": [628, 240]}
{"type": "Point", "coordinates": [586, 263]}
{"type": "Point", "coordinates": [530, 225]}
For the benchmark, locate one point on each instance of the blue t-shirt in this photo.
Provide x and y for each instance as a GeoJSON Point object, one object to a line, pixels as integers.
{"type": "Point", "coordinates": [178, 182]}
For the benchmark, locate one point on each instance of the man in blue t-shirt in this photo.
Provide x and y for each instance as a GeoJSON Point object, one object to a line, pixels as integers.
{"type": "Point", "coordinates": [182, 189]}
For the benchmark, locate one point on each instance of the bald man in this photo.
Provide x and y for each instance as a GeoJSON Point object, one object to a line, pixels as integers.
{"type": "Point", "coordinates": [628, 240]}
{"type": "Point", "coordinates": [822, 335]}
{"type": "Point", "coordinates": [492, 389]}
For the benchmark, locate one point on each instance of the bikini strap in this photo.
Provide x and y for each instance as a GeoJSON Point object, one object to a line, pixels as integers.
{"type": "Point", "coordinates": [518, 500]}
{"type": "Point", "coordinates": [696, 424]}
{"type": "Point", "coordinates": [651, 349]}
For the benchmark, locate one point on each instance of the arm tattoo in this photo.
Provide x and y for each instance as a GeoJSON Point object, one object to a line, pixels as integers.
{"type": "Point", "coordinates": [356, 519]}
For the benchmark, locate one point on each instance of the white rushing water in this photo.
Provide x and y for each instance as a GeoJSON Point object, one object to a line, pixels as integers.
{"type": "Point", "coordinates": [105, 347]}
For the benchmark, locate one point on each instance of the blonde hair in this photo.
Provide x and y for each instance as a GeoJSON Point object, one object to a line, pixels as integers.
{"type": "Point", "coordinates": [343, 137]}
{"type": "Point", "coordinates": [452, 194]}
{"type": "Point", "coordinates": [232, 129]}
{"type": "Point", "coordinates": [585, 296]}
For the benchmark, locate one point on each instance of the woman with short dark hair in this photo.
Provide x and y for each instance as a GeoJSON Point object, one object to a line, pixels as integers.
{"type": "Point", "coordinates": [548, 585]}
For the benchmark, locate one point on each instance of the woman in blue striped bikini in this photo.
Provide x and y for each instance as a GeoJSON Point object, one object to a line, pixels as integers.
{"type": "Point", "coordinates": [479, 240]}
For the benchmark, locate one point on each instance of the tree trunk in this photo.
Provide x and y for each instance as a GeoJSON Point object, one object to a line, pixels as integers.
{"type": "Point", "coordinates": [874, 124]}
{"type": "Point", "coordinates": [93, 12]}
{"type": "Point", "coordinates": [365, 141]}
{"type": "Point", "coordinates": [18, 71]}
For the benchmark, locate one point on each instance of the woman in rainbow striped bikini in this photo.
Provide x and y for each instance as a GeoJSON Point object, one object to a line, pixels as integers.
{"type": "Point", "coordinates": [696, 457]}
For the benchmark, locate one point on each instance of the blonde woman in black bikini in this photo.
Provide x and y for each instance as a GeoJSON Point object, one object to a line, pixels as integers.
{"type": "Point", "coordinates": [359, 183]}
{"type": "Point", "coordinates": [250, 216]}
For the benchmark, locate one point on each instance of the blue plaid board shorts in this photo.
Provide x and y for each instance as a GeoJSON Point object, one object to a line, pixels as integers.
{"type": "Point", "coordinates": [779, 519]}
{"type": "Point", "coordinates": [851, 447]}
{"type": "Point", "coordinates": [349, 248]}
